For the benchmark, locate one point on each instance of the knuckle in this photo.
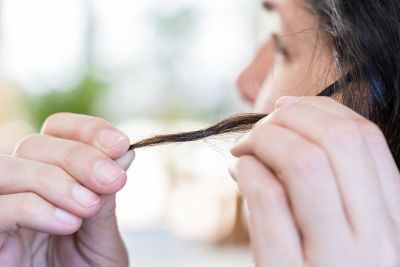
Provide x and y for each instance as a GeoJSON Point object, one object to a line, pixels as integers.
{"type": "Point", "coordinates": [319, 100]}
{"type": "Point", "coordinates": [283, 112]}
{"type": "Point", "coordinates": [10, 163]}
{"type": "Point", "coordinates": [345, 131]}
{"type": "Point", "coordinates": [259, 191]}
{"type": "Point", "coordinates": [74, 154]}
{"type": "Point", "coordinates": [26, 200]}
{"type": "Point", "coordinates": [325, 99]}
{"type": "Point", "coordinates": [371, 132]}
{"type": "Point", "coordinates": [273, 194]}
{"type": "Point", "coordinates": [90, 126]}
{"type": "Point", "coordinates": [280, 101]}
{"type": "Point", "coordinates": [304, 161]}
{"type": "Point", "coordinates": [278, 113]}
{"type": "Point", "coordinates": [95, 123]}
{"type": "Point", "coordinates": [46, 173]}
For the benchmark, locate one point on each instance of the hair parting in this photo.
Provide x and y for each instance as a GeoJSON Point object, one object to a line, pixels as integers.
{"type": "Point", "coordinates": [235, 124]}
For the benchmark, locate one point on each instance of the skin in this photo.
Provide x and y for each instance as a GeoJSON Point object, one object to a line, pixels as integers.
{"type": "Point", "coordinates": [57, 195]}
{"type": "Point", "coordinates": [305, 69]}
{"type": "Point", "coordinates": [321, 185]}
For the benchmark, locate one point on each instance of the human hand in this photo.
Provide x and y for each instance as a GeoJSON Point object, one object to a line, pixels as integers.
{"type": "Point", "coordinates": [321, 186]}
{"type": "Point", "coordinates": [57, 195]}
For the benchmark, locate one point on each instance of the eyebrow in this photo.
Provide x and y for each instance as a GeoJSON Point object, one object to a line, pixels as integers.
{"type": "Point", "coordinates": [271, 6]}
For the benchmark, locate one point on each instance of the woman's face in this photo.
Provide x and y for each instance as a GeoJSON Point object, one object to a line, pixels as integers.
{"type": "Point", "coordinates": [296, 60]}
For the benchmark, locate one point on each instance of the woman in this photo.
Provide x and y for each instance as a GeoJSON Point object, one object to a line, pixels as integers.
{"type": "Point", "coordinates": [320, 180]}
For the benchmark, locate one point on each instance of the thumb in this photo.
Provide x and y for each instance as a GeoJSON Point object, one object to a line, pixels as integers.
{"type": "Point", "coordinates": [101, 231]}
{"type": "Point", "coordinates": [108, 208]}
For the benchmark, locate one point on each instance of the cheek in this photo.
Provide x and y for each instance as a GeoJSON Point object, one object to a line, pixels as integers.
{"type": "Point", "coordinates": [282, 81]}
{"type": "Point", "coordinates": [306, 77]}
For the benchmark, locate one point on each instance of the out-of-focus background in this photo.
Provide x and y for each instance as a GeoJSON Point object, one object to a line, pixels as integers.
{"type": "Point", "coordinates": [149, 66]}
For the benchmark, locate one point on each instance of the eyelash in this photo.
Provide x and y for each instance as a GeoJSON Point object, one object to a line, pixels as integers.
{"type": "Point", "coordinates": [280, 47]}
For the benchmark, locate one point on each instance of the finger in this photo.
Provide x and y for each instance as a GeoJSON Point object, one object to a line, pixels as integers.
{"type": "Point", "coordinates": [28, 210]}
{"type": "Point", "coordinates": [385, 164]}
{"type": "Point", "coordinates": [93, 228]}
{"type": "Point", "coordinates": [342, 140]}
{"type": "Point", "coordinates": [51, 183]}
{"type": "Point", "coordinates": [86, 164]}
{"type": "Point", "coordinates": [305, 171]}
{"type": "Point", "coordinates": [89, 130]}
{"type": "Point", "coordinates": [126, 160]}
{"type": "Point", "coordinates": [109, 201]}
{"type": "Point", "coordinates": [274, 235]}
{"type": "Point", "coordinates": [101, 231]}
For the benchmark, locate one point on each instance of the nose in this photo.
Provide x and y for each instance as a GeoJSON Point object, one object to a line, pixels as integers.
{"type": "Point", "coordinates": [253, 76]}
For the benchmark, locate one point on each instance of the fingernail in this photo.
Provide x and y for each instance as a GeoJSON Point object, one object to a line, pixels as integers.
{"type": "Point", "coordinates": [65, 217]}
{"type": "Point", "coordinates": [285, 100]}
{"type": "Point", "coordinates": [107, 172]}
{"type": "Point", "coordinates": [126, 160]}
{"type": "Point", "coordinates": [84, 197]}
{"type": "Point", "coordinates": [108, 138]}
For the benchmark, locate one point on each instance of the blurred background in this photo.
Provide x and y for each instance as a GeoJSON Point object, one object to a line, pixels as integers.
{"type": "Point", "coordinates": [149, 66]}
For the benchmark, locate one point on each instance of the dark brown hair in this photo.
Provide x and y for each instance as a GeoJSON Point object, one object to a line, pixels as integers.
{"type": "Point", "coordinates": [365, 39]}
{"type": "Point", "coordinates": [234, 124]}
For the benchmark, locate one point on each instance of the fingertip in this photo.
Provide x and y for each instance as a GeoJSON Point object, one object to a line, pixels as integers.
{"type": "Point", "coordinates": [116, 186]}
{"type": "Point", "coordinates": [120, 183]}
{"type": "Point", "coordinates": [108, 177]}
{"type": "Point", "coordinates": [68, 222]}
{"type": "Point", "coordinates": [112, 142]}
{"type": "Point", "coordinates": [235, 151]}
{"type": "Point", "coordinates": [126, 160]}
{"type": "Point", "coordinates": [92, 211]}
{"type": "Point", "coordinates": [85, 197]}
{"type": "Point", "coordinates": [239, 148]}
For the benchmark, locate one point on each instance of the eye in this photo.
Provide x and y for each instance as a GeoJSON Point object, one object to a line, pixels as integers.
{"type": "Point", "coordinates": [267, 5]}
{"type": "Point", "coordinates": [280, 46]}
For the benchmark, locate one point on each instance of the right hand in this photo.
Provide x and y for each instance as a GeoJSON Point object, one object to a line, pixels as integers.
{"type": "Point", "coordinates": [57, 195]}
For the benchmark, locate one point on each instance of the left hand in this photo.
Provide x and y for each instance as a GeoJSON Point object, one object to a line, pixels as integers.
{"type": "Point", "coordinates": [321, 186]}
{"type": "Point", "coordinates": [58, 195]}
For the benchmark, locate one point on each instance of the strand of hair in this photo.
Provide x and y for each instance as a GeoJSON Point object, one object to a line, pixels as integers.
{"type": "Point", "coordinates": [235, 124]}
